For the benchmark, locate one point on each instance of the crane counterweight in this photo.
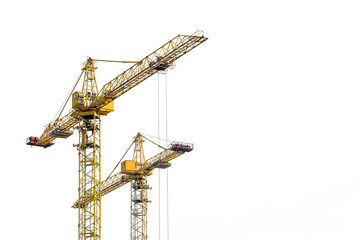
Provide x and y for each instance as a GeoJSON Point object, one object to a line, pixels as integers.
{"type": "Point", "coordinates": [181, 147]}
{"type": "Point", "coordinates": [32, 141]}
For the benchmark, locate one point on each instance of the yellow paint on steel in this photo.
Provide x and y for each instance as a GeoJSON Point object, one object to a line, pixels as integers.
{"type": "Point", "coordinates": [128, 167]}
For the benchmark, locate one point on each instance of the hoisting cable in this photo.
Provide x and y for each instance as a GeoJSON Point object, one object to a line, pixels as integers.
{"type": "Point", "coordinates": [120, 160]}
{"type": "Point", "coordinates": [57, 116]}
{"type": "Point", "coordinates": [167, 169]}
{"type": "Point", "coordinates": [166, 142]}
{"type": "Point", "coordinates": [159, 178]}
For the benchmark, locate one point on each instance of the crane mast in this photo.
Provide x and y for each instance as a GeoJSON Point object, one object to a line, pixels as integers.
{"type": "Point", "coordinates": [88, 106]}
{"type": "Point", "coordinates": [89, 128]}
{"type": "Point", "coordinates": [138, 192]}
{"type": "Point", "coordinates": [135, 172]}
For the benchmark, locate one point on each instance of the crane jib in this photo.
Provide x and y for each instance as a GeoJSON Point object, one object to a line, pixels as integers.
{"type": "Point", "coordinates": [158, 60]}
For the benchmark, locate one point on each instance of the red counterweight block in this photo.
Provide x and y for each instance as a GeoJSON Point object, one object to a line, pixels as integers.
{"type": "Point", "coordinates": [32, 140]}
{"type": "Point", "coordinates": [181, 147]}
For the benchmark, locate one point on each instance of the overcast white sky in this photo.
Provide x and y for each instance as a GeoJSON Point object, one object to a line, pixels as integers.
{"type": "Point", "coordinates": [271, 102]}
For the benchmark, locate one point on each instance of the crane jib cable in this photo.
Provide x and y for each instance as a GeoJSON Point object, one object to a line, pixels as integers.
{"type": "Point", "coordinates": [153, 142]}
{"type": "Point", "coordinates": [57, 116]}
{"type": "Point", "coordinates": [144, 134]}
{"type": "Point", "coordinates": [120, 160]}
{"type": "Point", "coordinates": [98, 60]}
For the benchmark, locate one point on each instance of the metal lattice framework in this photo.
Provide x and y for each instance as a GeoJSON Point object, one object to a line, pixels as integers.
{"type": "Point", "coordinates": [145, 68]}
{"type": "Point", "coordinates": [139, 200]}
{"type": "Point", "coordinates": [87, 116]}
{"type": "Point", "coordinates": [120, 179]}
{"type": "Point", "coordinates": [138, 188]}
{"type": "Point", "coordinates": [89, 148]}
{"type": "Point", "coordinates": [138, 208]}
{"type": "Point", "coordinates": [89, 177]}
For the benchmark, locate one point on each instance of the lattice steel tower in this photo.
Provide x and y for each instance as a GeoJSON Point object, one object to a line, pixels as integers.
{"type": "Point", "coordinates": [89, 159]}
{"type": "Point", "coordinates": [139, 200]}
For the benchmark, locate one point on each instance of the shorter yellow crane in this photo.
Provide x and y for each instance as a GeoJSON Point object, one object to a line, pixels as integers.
{"type": "Point", "coordinates": [136, 171]}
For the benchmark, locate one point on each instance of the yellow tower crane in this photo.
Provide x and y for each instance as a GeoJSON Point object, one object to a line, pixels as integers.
{"type": "Point", "coordinates": [136, 171]}
{"type": "Point", "coordinates": [88, 105]}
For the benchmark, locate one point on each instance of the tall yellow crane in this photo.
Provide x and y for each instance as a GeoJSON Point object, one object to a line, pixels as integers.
{"type": "Point", "coordinates": [136, 171]}
{"type": "Point", "coordinates": [88, 105]}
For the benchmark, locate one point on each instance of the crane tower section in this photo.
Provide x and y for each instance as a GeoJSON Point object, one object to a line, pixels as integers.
{"type": "Point", "coordinates": [89, 176]}
{"type": "Point", "coordinates": [139, 200]}
{"type": "Point", "coordinates": [89, 151]}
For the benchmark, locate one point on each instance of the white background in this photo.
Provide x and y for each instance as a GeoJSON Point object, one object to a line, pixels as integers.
{"type": "Point", "coordinates": [270, 100]}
